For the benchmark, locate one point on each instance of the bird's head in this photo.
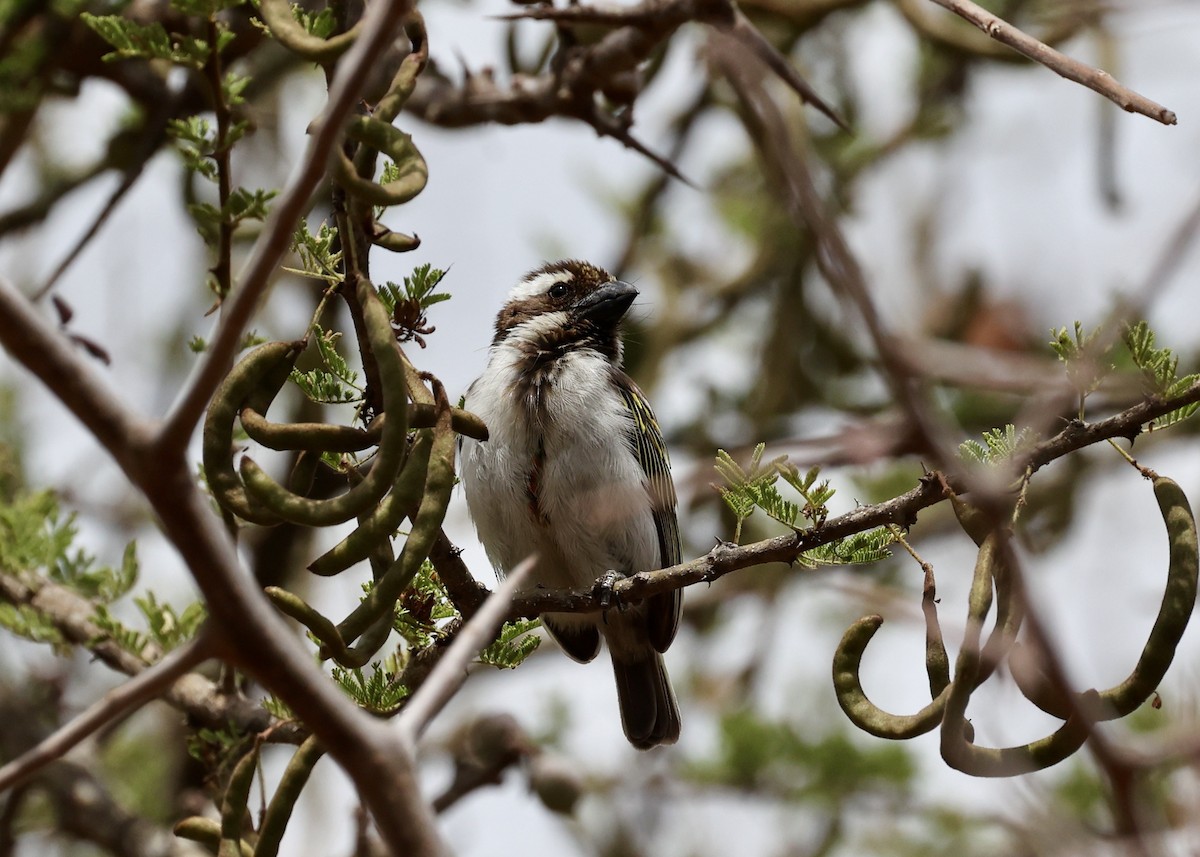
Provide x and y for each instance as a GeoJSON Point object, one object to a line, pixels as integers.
{"type": "Point", "coordinates": [564, 306]}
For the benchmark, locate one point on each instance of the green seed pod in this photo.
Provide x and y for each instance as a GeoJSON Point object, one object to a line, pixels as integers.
{"type": "Point", "coordinates": [279, 810]}
{"type": "Point", "coordinates": [260, 367]}
{"type": "Point", "coordinates": [426, 526]}
{"type": "Point", "coordinates": [957, 750]}
{"type": "Point", "coordinates": [207, 831]}
{"type": "Point", "coordinates": [317, 437]}
{"type": "Point", "coordinates": [1179, 600]}
{"type": "Point", "coordinates": [391, 141]}
{"type": "Point", "coordinates": [405, 79]}
{"type": "Point", "coordinates": [847, 662]}
{"type": "Point", "coordinates": [318, 625]}
{"type": "Point", "coordinates": [235, 803]}
{"type": "Point", "coordinates": [394, 242]}
{"type": "Point", "coordinates": [386, 517]}
{"type": "Point", "coordinates": [277, 15]}
{"type": "Point", "coordinates": [392, 442]}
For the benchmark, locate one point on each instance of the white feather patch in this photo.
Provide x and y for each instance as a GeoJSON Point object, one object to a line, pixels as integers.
{"type": "Point", "coordinates": [538, 285]}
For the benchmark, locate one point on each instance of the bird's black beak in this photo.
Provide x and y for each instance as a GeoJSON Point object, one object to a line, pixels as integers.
{"type": "Point", "coordinates": [608, 304]}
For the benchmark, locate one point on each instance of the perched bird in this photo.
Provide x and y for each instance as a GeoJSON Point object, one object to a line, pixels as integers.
{"type": "Point", "coordinates": [575, 470]}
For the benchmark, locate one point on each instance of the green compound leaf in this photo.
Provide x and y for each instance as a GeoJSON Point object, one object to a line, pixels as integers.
{"type": "Point", "coordinates": [135, 41]}
{"type": "Point", "coordinates": [999, 444]}
{"type": "Point", "coordinates": [380, 692]}
{"type": "Point", "coordinates": [513, 646]}
{"type": "Point", "coordinates": [1160, 370]}
{"type": "Point", "coordinates": [334, 384]}
{"type": "Point", "coordinates": [756, 488]}
{"type": "Point", "coordinates": [423, 608]}
{"type": "Point", "coordinates": [858, 549]}
{"type": "Point", "coordinates": [318, 257]}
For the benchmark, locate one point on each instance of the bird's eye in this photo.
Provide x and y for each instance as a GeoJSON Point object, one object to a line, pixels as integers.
{"type": "Point", "coordinates": [558, 290]}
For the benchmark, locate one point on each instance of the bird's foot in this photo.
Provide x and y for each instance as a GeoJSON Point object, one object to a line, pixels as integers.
{"type": "Point", "coordinates": [604, 591]}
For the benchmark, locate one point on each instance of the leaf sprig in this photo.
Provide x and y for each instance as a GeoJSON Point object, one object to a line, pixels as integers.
{"type": "Point", "coordinates": [999, 444]}
{"type": "Point", "coordinates": [513, 646]}
{"type": "Point", "coordinates": [1160, 368]}
{"type": "Point", "coordinates": [745, 490]}
{"type": "Point", "coordinates": [334, 382]}
{"type": "Point", "coordinates": [380, 692]}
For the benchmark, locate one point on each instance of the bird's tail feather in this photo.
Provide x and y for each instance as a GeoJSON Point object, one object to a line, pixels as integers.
{"type": "Point", "coordinates": [649, 713]}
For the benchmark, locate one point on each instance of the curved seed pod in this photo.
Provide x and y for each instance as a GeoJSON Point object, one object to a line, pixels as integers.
{"type": "Point", "coordinates": [426, 526]}
{"type": "Point", "coordinates": [405, 79]}
{"type": "Point", "coordinates": [1014, 761]}
{"type": "Point", "coordinates": [322, 437]}
{"type": "Point", "coordinates": [1008, 611]}
{"type": "Point", "coordinates": [206, 831]}
{"type": "Point", "coordinates": [333, 646]}
{"type": "Point", "coordinates": [847, 662]}
{"type": "Point", "coordinates": [392, 441]}
{"type": "Point", "coordinates": [1178, 602]}
{"type": "Point", "coordinates": [1009, 617]}
{"type": "Point", "coordinates": [392, 142]}
{"type": "Point", "coordinates": [937, 662]}
{"type": "Point", "coordinates": [279, 810]}
{"type": "Point", "coordinates": [957, 751]}
{"type": "Point", "coordinates": [316, 437]}
{"type": "Point", "coordinates": [318, 625]}
{"type": "Point", "coordinates": [368, 646]}
{"type": "Point", "coordinates": [235, 803]}
{"type": "Point", "coordinates": [254, 369]}
{"type": "Point", "coordinates": [277, 15]}
{"type": "Point", "coordinates": [381, 523]}
{"type": "Point", "coordinates": [394, 242]}
{"type": "Point", "coordinates": [422, 415]}
{"type": "Point", "coordinates": [863, 713]}
{"type": "Point", "coordinates": [373, 639]}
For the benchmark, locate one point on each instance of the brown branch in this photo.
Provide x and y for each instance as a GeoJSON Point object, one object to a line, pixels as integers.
{"type": "Point", "coordinates": [901, 511]}
{"type": "Point", "coordinates": [82, 804]}
{"type": "Point", "coordinates": [836, 261]}
{"type": "Point", "coordinates": [1061, 64]}
{"type": "Point", "coordinates": [580, 73]}
{"type": "Point", "coordinates": [74, 617]}
{"type": "Point", "coordinates": [146, 686]}
{"type": "Point", "coordinates": [451, 671]}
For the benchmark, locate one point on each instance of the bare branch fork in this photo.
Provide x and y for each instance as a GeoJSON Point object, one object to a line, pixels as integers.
{"type": "Point", "coordinates": [1026, 45]}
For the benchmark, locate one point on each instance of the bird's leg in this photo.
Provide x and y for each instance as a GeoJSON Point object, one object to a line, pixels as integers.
{"type": "Point", "coordinates": [603, 589]}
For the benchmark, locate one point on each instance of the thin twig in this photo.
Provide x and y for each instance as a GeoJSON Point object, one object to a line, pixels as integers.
{"type": "Point", "coordinates": [134, 693]}
{"type": "Point", "coordinates": [1026, 45]}
{"type": "Point", "coordinates": [450, 673]}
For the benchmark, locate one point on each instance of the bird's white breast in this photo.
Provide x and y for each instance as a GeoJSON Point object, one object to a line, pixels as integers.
{"type": "Point", "coordinates": [561, 481]}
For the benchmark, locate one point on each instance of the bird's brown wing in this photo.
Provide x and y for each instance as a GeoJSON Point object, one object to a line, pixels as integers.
{"type": "Point", "coordinates": [646, 441]}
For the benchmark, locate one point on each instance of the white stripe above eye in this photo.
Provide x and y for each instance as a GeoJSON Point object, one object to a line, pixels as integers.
{"type": "Point", "coordinates": [538, 284]}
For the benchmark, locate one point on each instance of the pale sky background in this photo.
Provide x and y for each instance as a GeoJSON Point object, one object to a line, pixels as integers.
{"type": "Point", "coordinates": [1014, 193]}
